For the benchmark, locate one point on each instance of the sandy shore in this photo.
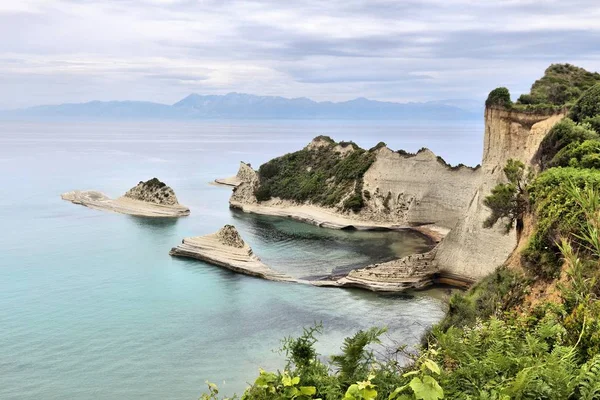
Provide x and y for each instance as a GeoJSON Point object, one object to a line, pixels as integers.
{"type": "Point", "coordinates": [124, 205]}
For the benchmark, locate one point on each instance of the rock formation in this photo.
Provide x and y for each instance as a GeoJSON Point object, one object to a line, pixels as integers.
{"type": "Point", "coordinates": [226, 248]}
{"type": "Point", "coordinates": [152, 198]}
{"type": "Point", "coordinates": [245, 173]}
{"type": "Point", "coordinates": [470, 251]}
{"type": "Point", "coordinates": [153, 191]}
{"type": "Point", "coordinates": [404, 190]}
{"type": "Point", "coordinates": [408, 190]}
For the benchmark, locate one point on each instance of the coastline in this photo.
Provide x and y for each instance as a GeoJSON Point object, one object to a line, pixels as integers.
{"type": "Point", "coordinates": [227, 249]}
{"type": "Point", "coordinates": [328, 219]}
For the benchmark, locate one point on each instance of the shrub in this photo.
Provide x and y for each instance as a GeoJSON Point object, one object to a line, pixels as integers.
{"type": "Point", "coordinates": [561, 85]}
{"type": "Point", "coordinates": [560, 136]}
{"type": "Point", "coordinates": [508, 200]}
{"type": "Point", "coordinates": [495, 294]}
{"type": "Point", "coordinates": [593, 123]}
{"type": "Point", "coordinates": [578, 155]}
{"type": "Point", "coordinates": [588, 105]}
{"type": "Point", "coordinates": [499, 97]}
{"type": "Point", "coordinates": [558, 214]}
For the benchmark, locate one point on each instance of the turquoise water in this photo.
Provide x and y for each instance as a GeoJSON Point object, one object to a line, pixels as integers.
{"type": "Point", "coordinates": [93, 307]}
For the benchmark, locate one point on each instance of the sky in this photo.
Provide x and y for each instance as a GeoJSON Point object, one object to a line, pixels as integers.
{"type": "Point", "coordinates": [56, 51]}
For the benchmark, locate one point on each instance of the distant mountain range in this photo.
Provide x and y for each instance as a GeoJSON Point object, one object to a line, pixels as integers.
{"type": "Point", "coordinates": [247, 106]}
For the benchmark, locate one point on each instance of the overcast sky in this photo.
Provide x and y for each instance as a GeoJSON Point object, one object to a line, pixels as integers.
{"type": "Point", "coordinates": [54, 51]}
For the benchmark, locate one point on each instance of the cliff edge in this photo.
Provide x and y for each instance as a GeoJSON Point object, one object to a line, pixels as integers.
{"type": "Point", "coordinates": [471, 251]}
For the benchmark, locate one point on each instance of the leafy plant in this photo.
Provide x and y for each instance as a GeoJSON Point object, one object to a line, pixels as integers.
{"type": "Point", "coordinates": [499, 97]}
{"type": "Point", "coordinates": [508, 200]}
{"type": "Point", "coordinates": [588, 105]}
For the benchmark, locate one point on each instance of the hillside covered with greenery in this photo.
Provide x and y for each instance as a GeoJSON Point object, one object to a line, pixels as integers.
{"type": "Point", "coordinates": [560, 87]}
{"type": "Point", "coordinates": [499, 341]}
{"type": "Point", "coordinates": [329, 174]}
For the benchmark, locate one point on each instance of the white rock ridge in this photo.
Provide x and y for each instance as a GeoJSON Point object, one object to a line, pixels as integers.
{"type": "Point", "coordinates": [152, 198]}
{"type": "Point", "coordinates": [227, 249]}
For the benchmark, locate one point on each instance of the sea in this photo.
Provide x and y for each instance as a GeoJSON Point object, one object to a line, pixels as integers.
{"type": "Point", "coordinates": [93, 307]}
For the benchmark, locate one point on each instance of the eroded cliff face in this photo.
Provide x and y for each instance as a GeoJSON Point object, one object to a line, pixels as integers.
{"type": "Point", "coordinates": [399, 189]}
{"type": "Point", "coordinates": [470, 251]}
{"type": "Point", "coordinates": [417, 189]}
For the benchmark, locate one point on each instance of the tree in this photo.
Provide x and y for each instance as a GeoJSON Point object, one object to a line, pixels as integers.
{"type": "Point", "coordinates": [508, 200]}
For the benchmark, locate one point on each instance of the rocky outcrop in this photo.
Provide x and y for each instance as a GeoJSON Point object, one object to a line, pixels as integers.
{"type": "Point", "coordinates": [152, 198]}
{"type": "Point", "coordinates": [153, 191]}
{"type": "Point", "coordinates": [410, 190]}
{"type": "Point", "coordinates": [400, 190]}
{"type": "Point", "coordinates": [245, 173]}
{"type": "Point", "coordinates": [417, 189]}
{"type": "Point", "coordinates": [226, 248]}
{"type": "Point", "coordinates": [415, 271]}
{"type": "Point", "coordinates": [469, 250]}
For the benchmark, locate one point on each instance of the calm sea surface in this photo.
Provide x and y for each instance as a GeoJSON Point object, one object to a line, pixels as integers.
{"type": "Point", "coordinates": [93, 307]}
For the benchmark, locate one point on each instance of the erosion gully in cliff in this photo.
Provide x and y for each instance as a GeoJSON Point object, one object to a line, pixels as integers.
{"type": "Point", "coordinates": [152, 198]}
{"type": "Point", "coordinates": [420, 191]}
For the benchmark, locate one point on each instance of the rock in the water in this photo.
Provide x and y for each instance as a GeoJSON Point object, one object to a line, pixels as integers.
{"type": "Point", "coordinates": [153, 191]}
{"type": "Point", "coordinates": [227, 249]}
{"type": "Point", "coordinates": [152, 198]}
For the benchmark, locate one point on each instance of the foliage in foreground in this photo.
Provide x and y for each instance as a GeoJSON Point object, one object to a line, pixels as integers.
{"type": "Point", "coordinates": [549, 352]}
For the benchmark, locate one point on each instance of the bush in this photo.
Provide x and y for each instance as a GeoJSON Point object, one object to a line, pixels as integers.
{"type": "Point", "coordinates": [499, 97]}
{"type": "Point", "coordinates": [508, 200]}
{"type": "Point", "coordinates": [495, 294]}
{"type": "Point", "coordinates": [588, 105]}
{"type": "Point", "coordinates": [593, 123]}
{"type": "Point", "coordinates": [560, 136]}
{"type": "Point", "coordinates": [561, 85]}
{"type": "Point", "coordinates": [558, 214]}
{"type": "Point", "coordinates": [578, 155]}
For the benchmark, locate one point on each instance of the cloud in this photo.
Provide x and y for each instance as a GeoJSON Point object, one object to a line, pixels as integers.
{"type": "Point", "coordinates": [161, 50]}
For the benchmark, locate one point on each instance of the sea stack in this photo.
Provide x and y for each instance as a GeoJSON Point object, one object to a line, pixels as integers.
{"type": "Point", "coordinates": [227, 249]}
{"type": "Point", "coordinates": [152, 198]}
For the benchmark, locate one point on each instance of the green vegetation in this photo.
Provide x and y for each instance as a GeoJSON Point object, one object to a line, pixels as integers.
{"type": "Point", "coordinates": [485, 349]}
{"type": "Point", "coordinates": [563, 138]}
{"type": "Point", "coordinates": [509, 200]}
{"type": "Point", "coordinates": [558, 215]}
{"type": "Point", "coordinates": [499, 97]}
{"type": "Point", "coordinates": [569, 156]}
{"type": "Point", "coordinates": [494, 295]}
{"type": "Point", "coordinates": [320, 175]}
{"type": "Point", "coordinates": [588, 105]}
{"type": "Point", "coordinates": [498, 341]}
{"type": "Point", "coordinates": [561, 85]}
